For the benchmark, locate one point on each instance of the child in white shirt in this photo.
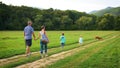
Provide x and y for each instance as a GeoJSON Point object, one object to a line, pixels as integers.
{"type": "Point", "coordinates": [80, 40]}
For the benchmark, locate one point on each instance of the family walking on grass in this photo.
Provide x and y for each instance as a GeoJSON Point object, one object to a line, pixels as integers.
{"type": "Point", "coordinates": [29, 31]}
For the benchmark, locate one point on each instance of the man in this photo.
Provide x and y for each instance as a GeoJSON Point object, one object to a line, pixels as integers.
{"type": "Point", "coordinates": [28, 32]}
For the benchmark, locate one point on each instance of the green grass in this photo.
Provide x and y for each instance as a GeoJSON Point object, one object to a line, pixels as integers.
{"type": "Point", "coordinates": [108, 57]}
{"type": "Point", "coordinates": [34, 57]}
{"type": "Point", "coordinates": [12, 42]}
{"type": "Point", "coordinates": [103, 55]}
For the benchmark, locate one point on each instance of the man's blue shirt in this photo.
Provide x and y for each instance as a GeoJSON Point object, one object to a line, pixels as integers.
{"type": "Point", "coordinates": [28, 30]}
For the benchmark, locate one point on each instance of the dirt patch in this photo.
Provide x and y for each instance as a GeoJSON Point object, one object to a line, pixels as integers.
{"type": "Point", "coordinates": [12, 59]}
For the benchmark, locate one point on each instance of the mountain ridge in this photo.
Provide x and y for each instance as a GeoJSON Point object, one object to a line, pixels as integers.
{"type": "Point", "coordinates": [112, 10]}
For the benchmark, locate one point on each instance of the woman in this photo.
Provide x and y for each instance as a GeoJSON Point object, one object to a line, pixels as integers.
{"type": "Point", "coordinates": [43, 41]}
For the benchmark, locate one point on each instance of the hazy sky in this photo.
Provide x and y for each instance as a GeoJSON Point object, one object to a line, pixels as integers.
{"type": "Point", "coordinates": [79, 5]}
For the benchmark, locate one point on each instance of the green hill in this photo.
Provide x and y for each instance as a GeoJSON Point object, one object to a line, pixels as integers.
{"type": "Point", "coordinates": [112, 10]}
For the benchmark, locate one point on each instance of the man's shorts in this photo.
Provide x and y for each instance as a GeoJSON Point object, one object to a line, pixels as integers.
{"type": "Point", "coordinates": [28, 42]}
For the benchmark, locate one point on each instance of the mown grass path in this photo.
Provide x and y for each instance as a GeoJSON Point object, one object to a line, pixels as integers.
{"type": "Point", "coordinates": [53, 58]}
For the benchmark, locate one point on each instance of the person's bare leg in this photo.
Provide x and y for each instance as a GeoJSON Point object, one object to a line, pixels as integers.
{"type": "Point", "coordinates": [27, 50]}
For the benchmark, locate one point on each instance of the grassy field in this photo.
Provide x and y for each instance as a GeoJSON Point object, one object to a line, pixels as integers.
{"type": "Point", "coordinates": [12, 43]}
{"type": "Point", "coordinates": [103, 55]}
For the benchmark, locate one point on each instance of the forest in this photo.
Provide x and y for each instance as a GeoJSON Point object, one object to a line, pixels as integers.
{"type": "Point", "coordinates": [16, 17]}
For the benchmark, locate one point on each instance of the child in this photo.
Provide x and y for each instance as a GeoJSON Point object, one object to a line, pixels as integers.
{"type": "Point", "coordinates": [62, 40]}
{"type": "Point", "coordinates": [80, 40]}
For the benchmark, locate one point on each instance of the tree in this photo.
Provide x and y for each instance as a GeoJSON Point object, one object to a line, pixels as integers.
{"type": "Point", "coordinates": [16, 17]}
{"type": "Point", "coordinates": [106, 22]}
{"type": "Point", "coordinates": [117, 23]}
{"type": "Point", "coordinates": [48, 24]}
{"type": "Point", "coordinates": [66, 22]}
{"type": "Point", "coordinates": [38, 21]}
{"type": "Point", "coordinates": [102, 24]}
{"type": "Point", "coordinates": [84, 22]}
{"type": "Point", "coordinates": [56, 23]}
{"type": "Point", "coordinates": [74, 15]}
{"type": "Point", "coordinates": [4, 16]}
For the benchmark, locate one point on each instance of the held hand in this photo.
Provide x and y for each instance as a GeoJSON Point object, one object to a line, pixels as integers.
{"type": "Point", "coordinates": [35, 39]}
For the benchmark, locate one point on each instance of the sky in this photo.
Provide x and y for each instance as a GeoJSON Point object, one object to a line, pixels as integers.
{"type": "Point", "coordinates": [79, 5]}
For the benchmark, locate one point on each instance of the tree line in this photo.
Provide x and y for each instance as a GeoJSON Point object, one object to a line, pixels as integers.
{"type": "Point", "coordinates": [16, 17]}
